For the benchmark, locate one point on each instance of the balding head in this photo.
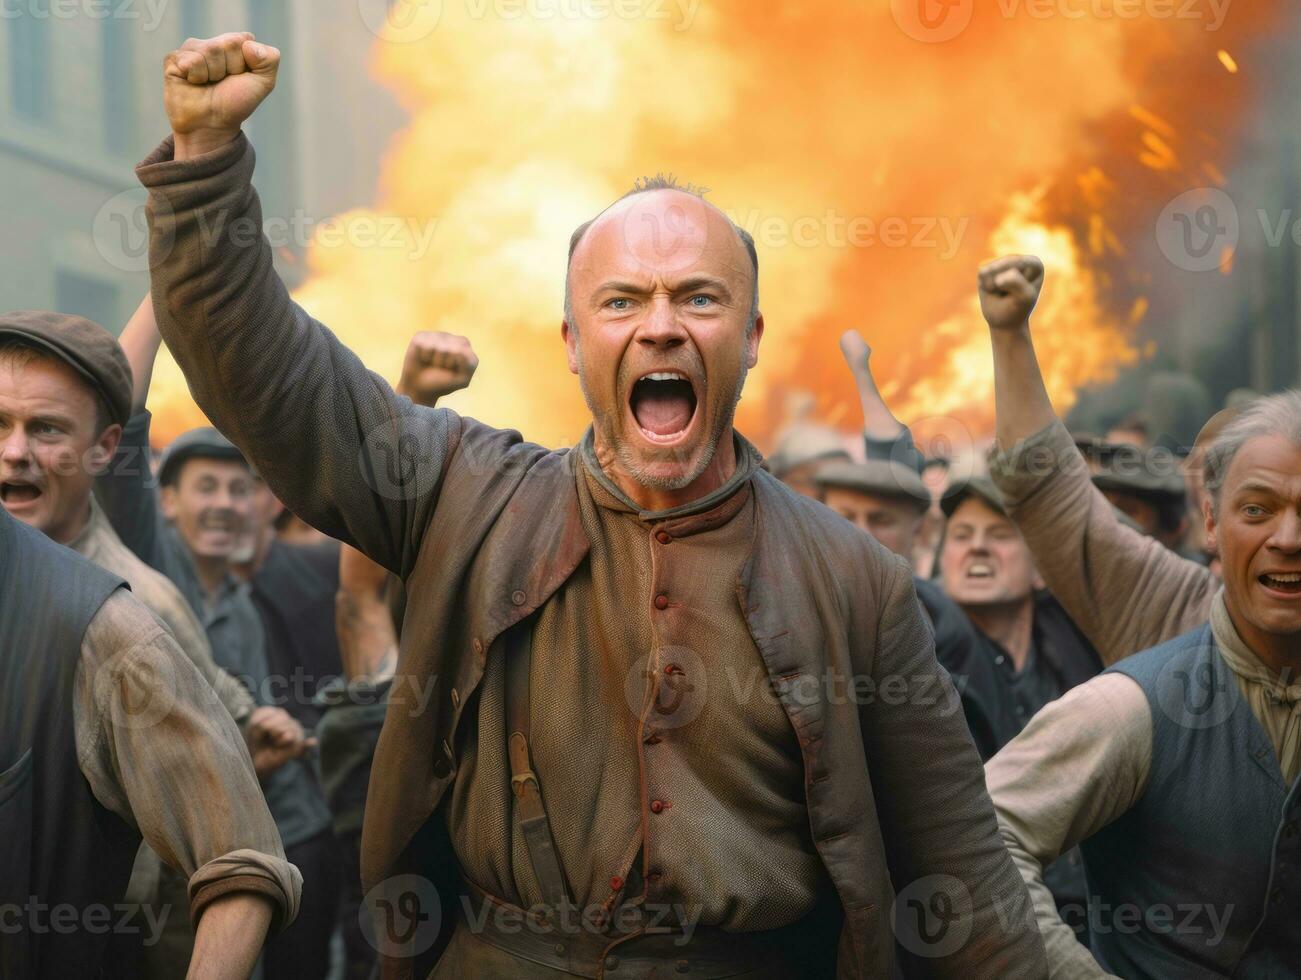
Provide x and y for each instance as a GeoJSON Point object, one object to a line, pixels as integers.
{"type": "Point", "coordinates": [648, 185]}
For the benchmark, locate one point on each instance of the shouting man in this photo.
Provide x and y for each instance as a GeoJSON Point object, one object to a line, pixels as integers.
{"type": "Point", "coordinates": [1176, 771]}
{"type": "Point", "coordinates": [640, 681]}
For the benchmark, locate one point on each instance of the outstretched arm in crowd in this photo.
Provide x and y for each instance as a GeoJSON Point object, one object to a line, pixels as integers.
{"type": "Point", "coordinates": [884, 436]}
{"type": "Point", "coordinates": [332, 439]}
{"type": "Point", "coordinates": [140, 341]}
{"type": "Point", "coordinates": [1126, 591]}
{"type": "Point", "coordinates": [126, 490]}
{"type": "Point", "coordinates": [436, 364]}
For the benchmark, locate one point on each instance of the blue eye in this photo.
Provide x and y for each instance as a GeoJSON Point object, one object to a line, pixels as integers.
{"type": "Point", "coordinates": [701, 301]}
{"type": "Point", "coordinates": [619, 303]}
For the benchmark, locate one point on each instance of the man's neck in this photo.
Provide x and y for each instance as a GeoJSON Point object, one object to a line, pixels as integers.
{"type": "Point", "coordinates": [1280, 653]}
{"type": "Point", "coordinates": [66, 535]}
{"type": "Point", "coordinates": [653, 499]}
{"type": "Point", "coordinates": [212, 573]}
{"type": "Point", "coordinates": [1009, 624]}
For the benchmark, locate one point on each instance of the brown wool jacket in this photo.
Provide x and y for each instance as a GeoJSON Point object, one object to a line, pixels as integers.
{"type": "Point", "coordinates": [484, 528]}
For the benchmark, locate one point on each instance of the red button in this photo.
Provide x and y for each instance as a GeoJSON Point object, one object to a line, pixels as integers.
{"type": "Point", "coordinates": [616, 883]}
{"type": "Point", "coordinates": [661, 601]}
{"type": "Point", "coordinates": [657, 806]}
{"type": "Point", "coordinates": [663, 537]}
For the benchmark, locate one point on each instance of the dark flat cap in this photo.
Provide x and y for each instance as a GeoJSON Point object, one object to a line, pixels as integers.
{"type": "Point", "coordinates": [1152, 474]}
{"type": "Point", "coordinates": [204, 443]}
{"type": "Point", "coordinates": [87, 347]}
{"type": "Point", "coordinates": [884, 478]}
{"type": "Point", "coordinates": [980, 486]}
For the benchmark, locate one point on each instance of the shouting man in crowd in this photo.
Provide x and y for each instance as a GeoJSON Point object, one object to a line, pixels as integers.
{"type": "Point", "coordinates": [594, 596]}
{"type": "Point", "coordinates": [1176, 771]}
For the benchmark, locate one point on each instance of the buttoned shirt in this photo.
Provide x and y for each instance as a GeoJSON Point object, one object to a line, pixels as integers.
{"type": "Point", "coordinates": [644, 679]}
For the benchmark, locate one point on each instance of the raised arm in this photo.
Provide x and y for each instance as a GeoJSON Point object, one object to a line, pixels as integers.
{"type": "Point", "coordinates": [884, 436]}
{"type": "Point", "coordinates": [332, 439]}
{"type": "Point", "coordinates": [436, 364]}
{"type": "Point", "coordinates": [140, 341]}
{"type": "Point", "coordinates": [1125, 591]}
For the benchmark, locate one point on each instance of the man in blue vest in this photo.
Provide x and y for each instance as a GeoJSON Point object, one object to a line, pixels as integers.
{"type": "Point", "coordinates": [1176, 770]}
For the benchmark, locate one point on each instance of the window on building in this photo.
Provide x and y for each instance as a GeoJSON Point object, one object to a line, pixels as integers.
{"type": "Point", "coordinates": [116, 49]}
{"type": "Point", "coordinates": [29, 63]}
{"type": "Point", "coordinates": [86, 296]}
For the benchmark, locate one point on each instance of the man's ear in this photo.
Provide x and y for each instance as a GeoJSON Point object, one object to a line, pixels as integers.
{"type": "Point", "coordinates": [101, 453]}
{"type": "Point", "coordinates": [570, 335]}
{"type": "Point", "coordinates": [1208, 514]}
{"type": "Point", "coordinates": [168, 502]}
{"type": "Point", "coordinates": [752, 342]}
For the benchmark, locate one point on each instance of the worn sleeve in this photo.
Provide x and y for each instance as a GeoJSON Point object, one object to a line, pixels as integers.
{"type": "Point", "coordinates": [936, 817]}
{"type": "Point", "coordinates": [128, 494]}
{"type": "Point", "coordinates": [1125, 591]}
{"type": "Point", "coordinates": [159, 750]}
{"type": "Point", "coordinates": [330, 437]}
{"type": "Point", "coordinates": [1082, 762]}
{"type": "Point", "coordinates": [178, 617]}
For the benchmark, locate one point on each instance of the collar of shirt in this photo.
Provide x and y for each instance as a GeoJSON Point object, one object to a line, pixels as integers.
{"type": "Point", "coordinates": [1244, 662]}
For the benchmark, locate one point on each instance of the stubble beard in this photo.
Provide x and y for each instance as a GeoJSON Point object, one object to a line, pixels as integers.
{"type": "Point", "coordinates": [631, 464]}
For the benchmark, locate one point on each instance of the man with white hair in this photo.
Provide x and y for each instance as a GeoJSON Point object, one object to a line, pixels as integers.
{"type": "Point", "coordinates": [648, 628]}
{"type": "Point", "coordinates": [1176, 771]}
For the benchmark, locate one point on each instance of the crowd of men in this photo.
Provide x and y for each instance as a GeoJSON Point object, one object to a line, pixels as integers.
{"type": "Point", "coordinates": [350, 685]}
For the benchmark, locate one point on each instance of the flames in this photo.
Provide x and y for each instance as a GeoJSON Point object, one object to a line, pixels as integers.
{"type": "Point", "coordinates": [876, 170]}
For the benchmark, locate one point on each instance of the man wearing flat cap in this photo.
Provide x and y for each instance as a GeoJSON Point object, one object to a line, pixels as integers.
{"type": "Point", "coordinates": [1036, 653]}
{"type": "Point", "coordinates": [84, 773]}
{"type": "Point", "coordinates": [1148, 487]}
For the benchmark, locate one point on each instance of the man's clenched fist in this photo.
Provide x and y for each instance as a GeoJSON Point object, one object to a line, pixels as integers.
{"type": "Point", "coordinates": [1009, 289]}
{"type": "Point", "coordinates": [211, 86]}
{"type": "Point", "coordinates": [436, 364]}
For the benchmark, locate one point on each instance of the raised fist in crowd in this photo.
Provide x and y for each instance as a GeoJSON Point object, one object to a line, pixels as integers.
{"type": "Point", "coordinates": [211, 86]}
{"type": "Point", "coordinates": [1009, 289]}
{"type": "Point", "coordinates": [436, 364]}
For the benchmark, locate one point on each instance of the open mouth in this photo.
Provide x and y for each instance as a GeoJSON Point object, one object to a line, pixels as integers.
{"type": "Point", "coordinates": [16, 493]}
{"type": "Point", "coordinates": [663, 403]}
{"type": "Point", "coordinates": [980, 571]}
{"type": "Point", "coordinates": [1288, 583]}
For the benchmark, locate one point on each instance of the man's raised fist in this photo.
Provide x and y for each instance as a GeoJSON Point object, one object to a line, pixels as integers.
{"type": "Point", "coordinates": [1009, 289]}
{"type": "Point", "coordinates": [436, 364]}
{"type": "Point", "coordinates": [856, 352]}
{"type": "Point", "coordinates": [211, 86]}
